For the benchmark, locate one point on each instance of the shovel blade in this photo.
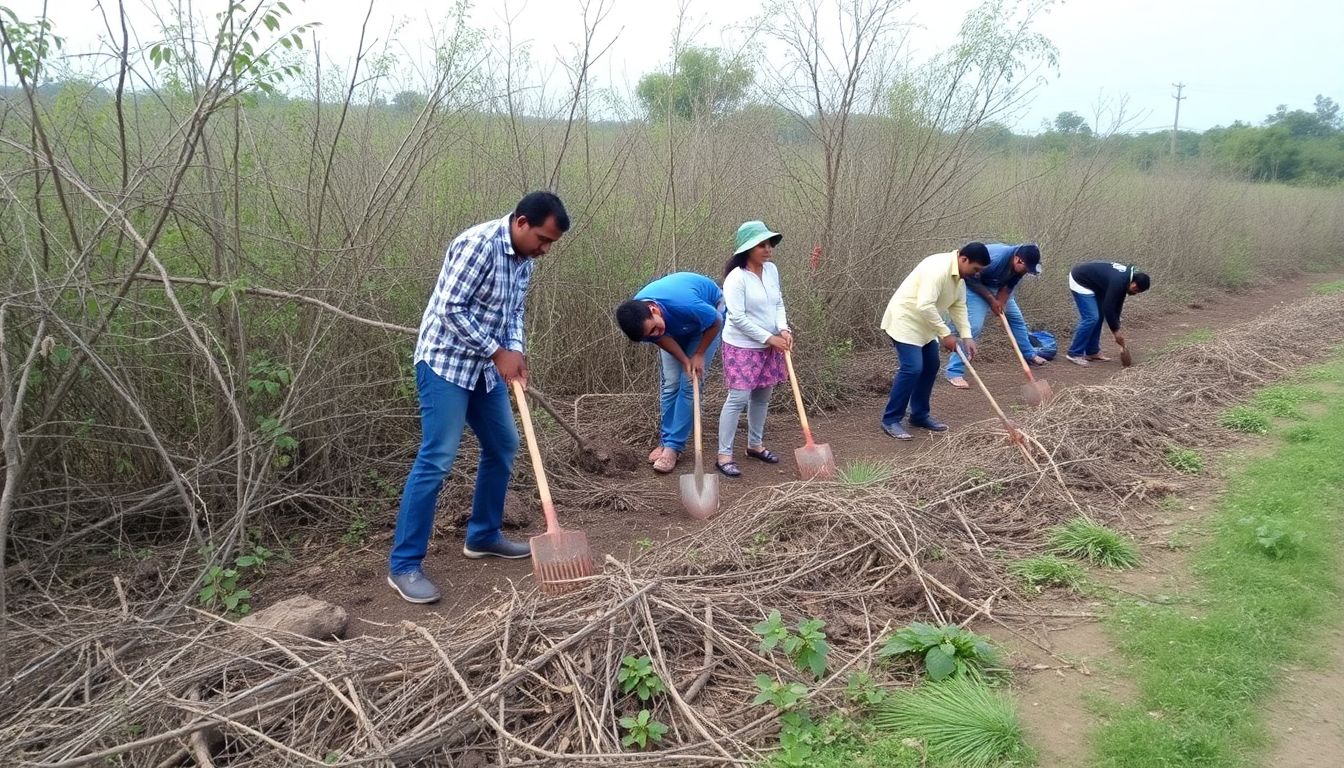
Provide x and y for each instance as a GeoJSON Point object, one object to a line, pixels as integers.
{"type": "Point", "coordinates": [1037, 392]}
{"type": "Point", "coordinates": [1126, 359]}
{"type": "Point", "coordinates": [561, 560]}
{"type": "Point", "coordinates": [815, 461]}
{"type": "Point", "coordinates": [700, 495]}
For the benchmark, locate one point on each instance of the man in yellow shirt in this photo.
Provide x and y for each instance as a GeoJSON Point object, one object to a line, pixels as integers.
{"type": "Point", "coordinates": [914, 322]}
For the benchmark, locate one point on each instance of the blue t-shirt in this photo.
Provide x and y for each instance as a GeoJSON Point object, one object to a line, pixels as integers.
{"type": "Point", "coordinates": [690, 303]}
{"type": "Point", "coordinates": [1000, 270]}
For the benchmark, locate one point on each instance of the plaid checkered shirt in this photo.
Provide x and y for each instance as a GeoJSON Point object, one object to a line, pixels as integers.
{"type": "Point", "coordinates": [477, 306]}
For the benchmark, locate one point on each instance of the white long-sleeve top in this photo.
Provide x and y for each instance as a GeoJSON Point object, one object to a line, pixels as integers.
{"type": "Point", "coordinates": [755, 307]}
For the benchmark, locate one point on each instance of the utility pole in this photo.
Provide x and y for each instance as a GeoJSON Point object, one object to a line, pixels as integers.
{"type": "Point", "coordinates": [1175, 124]}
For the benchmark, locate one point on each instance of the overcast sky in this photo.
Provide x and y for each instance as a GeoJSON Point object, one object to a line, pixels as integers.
{"type": "Point", "coordinates": [1238, 58]}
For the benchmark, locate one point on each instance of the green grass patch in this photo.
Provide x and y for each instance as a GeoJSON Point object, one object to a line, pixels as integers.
{"type": "Point", "coordinates": [1048, 571]}
{"type": "Point", "coordinates": [1334, 286]}
{"type": "Point", "coordinates": [1094, 542]}
{"type": "Point", "coordinates": [861, 472]}
{"type": "Point", "coordinates": [1185, 460]}
{"type": "Point", "coordinates": [1244, 418]}
{"type": "Point", "coordinates": [865, 749]}
{"type": "Point", "coordinates": [1269, 578]}
{"type": "Point", "coordinates": [1197, 336]}
{"type": "Point", "coordinates": [959, 721]}
{"type": "Point", "coordinates": [1285, 400]}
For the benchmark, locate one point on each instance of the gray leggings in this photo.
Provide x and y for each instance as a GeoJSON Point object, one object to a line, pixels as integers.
{"type": "Point", "coordinates": [755, 402]}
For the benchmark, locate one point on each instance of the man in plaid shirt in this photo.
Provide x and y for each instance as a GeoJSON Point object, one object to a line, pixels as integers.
{"type": "Point", "coordinates": [470, 347]}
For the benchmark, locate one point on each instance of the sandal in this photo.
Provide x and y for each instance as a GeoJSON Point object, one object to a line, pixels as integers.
{"type": "Point", "coordinates": [769, 457]}
{"type": "Point", "coordinates": [667, 462]}
{"type": "Point", "coordinates": [959, 382]}
{"type": "Point", "coordinates": [728, 468]}
{"type": "Point", "coordinates": [1100, 358]}
{"type": "Point", "coordinates": [655, 454]}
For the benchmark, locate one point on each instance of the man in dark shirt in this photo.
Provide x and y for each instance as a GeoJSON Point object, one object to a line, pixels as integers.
{"type": "Point", "coordinates": [1099, 289]}
{"type": "Point", "coordinates": [992, 291]}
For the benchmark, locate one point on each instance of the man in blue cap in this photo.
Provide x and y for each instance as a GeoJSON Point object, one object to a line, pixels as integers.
{"type": "Point", "coordinates": [992, 291]}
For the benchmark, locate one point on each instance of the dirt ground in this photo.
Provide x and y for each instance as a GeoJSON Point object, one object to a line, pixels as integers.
{"type": "Point", "coordinates": [355, 577]}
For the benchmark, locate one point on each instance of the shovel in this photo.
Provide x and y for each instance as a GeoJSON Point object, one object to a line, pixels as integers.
{"type": "Point", "coordinates": [560, 558]}
{"type": "Point", "coordinates": [1013, 433]}
{"type": "Point", "coordinates": [1035, 391]}
{"type": "Point", "coordinates": [1126, 359]}
{"type": "Point", "coordinates": [813, 460]}
{"type": "Point", "coordinates": [699, 492]}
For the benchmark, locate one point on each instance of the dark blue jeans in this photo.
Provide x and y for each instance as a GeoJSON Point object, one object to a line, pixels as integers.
{"type": "Point", "coordinates": [914, 382]}
{"type": "Point", "coordinates": [445, 410]}
{"type": "Point", "coordinates": [1087, 334]}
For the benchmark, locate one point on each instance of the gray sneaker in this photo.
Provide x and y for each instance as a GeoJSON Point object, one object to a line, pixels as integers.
{"type": "Point", "coordinates": [502, 547]}
{"type": "Point", "coordinates": [414, 587]}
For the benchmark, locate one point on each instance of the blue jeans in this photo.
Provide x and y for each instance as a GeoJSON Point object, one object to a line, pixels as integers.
{"type": "Point", "coordinates": [445, 410]}
{"type": "Point", "coordinates": [914, 382]}
{"type": "Point", "coordinates": [978, 309]}
{"type": "Point", "coordinates": [675, 396]}
{"type": "Point", "coordinates": [1087, 335]}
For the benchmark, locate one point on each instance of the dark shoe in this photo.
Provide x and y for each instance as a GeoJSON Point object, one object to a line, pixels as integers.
{"type": "Point", "coordinates": [766, 455]}
{"type": "Point", "coordinates": [502, 547]}
{"type": "Point", "coordinates": [930, 424]}
{"type": "Point", "coordinates": [414, 587]}
{"type": "Point", "coordinates": [897, 431]}
{"type": "Point", "coordinates": [728, 468]}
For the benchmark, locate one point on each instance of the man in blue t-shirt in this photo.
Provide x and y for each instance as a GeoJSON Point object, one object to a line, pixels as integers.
{"type": "Point", "coordinates": [682, 314]}
{"type": "Point", "coordinates": [992, 291]}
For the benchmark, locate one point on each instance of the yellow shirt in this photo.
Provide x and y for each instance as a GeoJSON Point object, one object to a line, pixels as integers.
{"type": "Point", "coordinates": [915, 313]}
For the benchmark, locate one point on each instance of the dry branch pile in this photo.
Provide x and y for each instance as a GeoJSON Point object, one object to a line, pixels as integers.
{"type": "Point", "coordinates": [532, 681]}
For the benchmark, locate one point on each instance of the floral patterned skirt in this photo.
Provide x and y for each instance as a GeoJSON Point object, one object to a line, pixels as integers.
{"type": "Point", "coordinates": [752, 368]}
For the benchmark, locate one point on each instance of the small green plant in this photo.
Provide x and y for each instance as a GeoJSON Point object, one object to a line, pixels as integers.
{"type": "Point", "coordinates": [860, 689]}
{"type": "Point", "coordinates": [784, 696]}
{"type": "Point", "coordinates": [357, 531]}
{"type": "Point", "coordinates": [644, 544]}
{"type": "Point", "coordinates": [637, 675]}
{"type": "Point", "coordinates": [1185, 460]}
{"type": "Point", "coordinates": [1094, 542]}
{"type": "Point", "coordinates": [1048, 571]}
{"type": "Point", "coordinates": [642, 730]}
{"type": "Point", "coordinates": [266, 377]}
{"type": "Point", "coordinates": [221, 590]}
{"type": "Point", "coordinates": [1273, 536]}
{"type": "Point", "coordinates": [861, 472]}
{"type": "Point", "coordinates": [961, 721]}
{"type": "Point", "coordinates": [278, 435]}
{"type": "Point", "coordinates": [1243, 418]}
{"type": "Point", "coordinates": [807, 647]}
{"type": "Point", "coordinates": [331, 758]}
{"type": "Point", "coordinates": [947, 651]}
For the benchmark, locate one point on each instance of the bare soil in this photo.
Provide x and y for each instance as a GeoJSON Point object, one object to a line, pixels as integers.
{"type": "Point", "coordinates": [355, 577]}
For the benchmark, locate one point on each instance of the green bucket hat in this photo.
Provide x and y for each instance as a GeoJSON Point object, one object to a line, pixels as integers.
{"type": "Point", "coordinates": [752, 234]}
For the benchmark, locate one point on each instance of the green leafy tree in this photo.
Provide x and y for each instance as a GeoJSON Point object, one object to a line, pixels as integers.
{"type": "Point", "coordinates": [704, 84]}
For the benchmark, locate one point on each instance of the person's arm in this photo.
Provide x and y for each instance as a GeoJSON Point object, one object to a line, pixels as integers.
{"type": "Point", "coordinates": [1113, 301]}
{"type": "Point", "coordinates": [926, 302]}
{"type": "Point", "coordinates": [781, 319]}
{"type": "Point", "coordinates": [735, 298]}
{"type": "Point", "coordinates": [515, 337]}
{"type": "Point", "coordinates": [707, 337]}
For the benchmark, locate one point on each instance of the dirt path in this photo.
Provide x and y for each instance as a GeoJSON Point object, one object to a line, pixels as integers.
{"type": "Point", "coordinates": [355, 578]}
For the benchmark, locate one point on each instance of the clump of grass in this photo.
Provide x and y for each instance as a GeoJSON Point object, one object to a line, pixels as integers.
{"type": "Point", "coordinates": [1048, 571]}
{"type": "Point", "coordinates": [1243, 418]}
{"type": "Point", "coordinates": [1302, 433]}
{"type": "Point", "coordinates": [1185, 460]}
{"type": "Point", "coordinates": [1284, 401]}
{"type": "Point", "coordinates": [861, 472]}
{"type": "Point", "coordinates": [1094, 542]}
{"type": "Point", "coordinates": [1197, 336]}
{"type": "Point", "coordinates": [960, 721]}
{"type": "Point", "coordinates": [1334, 286]}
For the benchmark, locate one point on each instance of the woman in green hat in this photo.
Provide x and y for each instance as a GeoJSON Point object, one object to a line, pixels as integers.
{"type": "Point", "coordinates": [755, 336]}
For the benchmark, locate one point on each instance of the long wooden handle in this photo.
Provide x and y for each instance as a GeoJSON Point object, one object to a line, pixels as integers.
{"type": "Point", "coordinates": [695, 403]}
{"type": "Point", "coordinates": [969, 369]}
{"type": "Point", "coordinates": [1012, 340]}
{"type": "Point", "coordinates": [543, 488]}
{"type": "Point", "coordinates": [798, 399]}
{"type": "Point", "coordinates": [538, 397]}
